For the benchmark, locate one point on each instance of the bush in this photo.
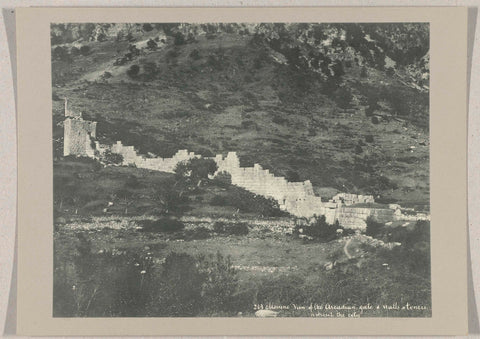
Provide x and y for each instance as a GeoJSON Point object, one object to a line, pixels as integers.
{"type": "Point", "coordinates": [74, 51]}
{"type": "Point", "coordinates": [248, 202]}
{"type": "Point", "coordinates": [197, 233]}
{"type": "Point", "coordinates": [363, 72]}
{"type": "Point", "coordinates": [112, 158]}
{"type": "Point", "coordinates": [101, 284]}
{"type": "Point", "coordinates": [373, 227]}
{"type": "Point", "coordinates": [218, 200]}
{"type": "Point", "coordinates": [61, 53]}
{"type": "Point", "coordinates": [152, 45]}
{"type": "Point", "coordinates": [180, 292]}
{"type": "Point", "coordinates": [194, 171]}
{"type": "Point", "coordinates": [195, 54]}
{"type": "Point", "coordinates": [85, 50]}
{"type": "Point", "coordinates": [178, 39]}
{"type": "Point", "coordinates": [375, 121]}
{"type": "Point", "coordinates": [292, 176]}
{"type": "Point", "coordinates": [369, 138]}
{"type": "Point", "coordinates": [389, 71]}
{"type": "Point", "coordinates": [133, 71]}
{"type": "Point", "coordinates": [343, 97]}
{"type": "Point", "coordinates": [101, 37]}
{"type": "Point", "coordinates": [106, 75]}
{"type": "Point", "coordinates": [150, 70]}
{"type": "Point", "coordinates": [320, 230]}
{"type": "Point", "coordinates": [230, 229]}
{"type": "Point", "coordinates": [162, 225]}
{"type": "Point", "coordinates": [147, 27]}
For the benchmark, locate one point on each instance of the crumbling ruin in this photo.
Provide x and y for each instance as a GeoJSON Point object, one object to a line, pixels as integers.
{"type": "Point", "coordinates": [297, 198]}
{"type": "Point", "coordinates": [78, 134]}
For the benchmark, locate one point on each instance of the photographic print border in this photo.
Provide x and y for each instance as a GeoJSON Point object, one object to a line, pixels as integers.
{"type": "Point", "coordinates": [447, 169]}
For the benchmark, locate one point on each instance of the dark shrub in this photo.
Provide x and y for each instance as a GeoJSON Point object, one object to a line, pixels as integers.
{"type": "Point", "coordinates": [74, 51]}
{"type": "Point", "coordinates": [218, 200]}
{"type": "Point", "coordinates": [152, 45]}
{"type": "Point", "coordinates": [279, 120]}
{"type": "Point", "coordinates": [132, 182]}
{"type": "Point", "coordinates": [219, 227]}
{"type": "Point", "coordinates": [55, 97]}
{"type": "Point", "coordinates": [133, 71]}
{"type": "Point", "coordinates": [375, 121]}
{"type": "Point", "coordinates": [195, 54]}
{"type": "Point", "coordinates": [369, 111]}
{"type": "Point", "coordinates": [337, 68]}
{"type": "Point", "coordinates": [320, 230]}
{"type": "Point", "coordinates": [237, 229]}
{"type": "Point", "coordinates": [106, 75]}
{"type": "Point", "coordinates": [61, 53]}
{"type": "Point", "coordinates": [197, 233]}
{"type": "Point", "coordinates": [363, 72]}
{"type": "Point", "coordinates": [178, 39]}
{"type": "Point", "coordinates": [112, 158]}
{"type": "Point", "coordinates": [373, 227]}
{"type": "Point", "coordinates": [230, 229]}
{"type": "Point", "coordinates": [194, 171]}
{"type": "Point", "coordinates": [102, 284]}
{"type": "Point", "coordinates": [147, 27]}
{"type": "Point", "coordinates": [85, 50]}
{"type": "Point", "coordinates": [150, 70]}
{"type": "Point", "coordinates": [369, 138]}
{"type": "Point", "coordinates": [389, 71]}
{"type": "Point", "coordinates": [292, 176]}
{"type": "Point", "coordinates": [101, 37]}
{"type": "Point", "coordinates": [343, 97]}
{"type": "Point", "coordinates": [180, 292]}
{"type": "Point", "coordinates": [162, 225]}
{"type": "Point", "coordinates": [252, 203]}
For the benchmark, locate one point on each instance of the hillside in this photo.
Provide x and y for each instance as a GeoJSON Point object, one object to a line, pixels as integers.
{"type": "Point", "coordinates": [345, 106]}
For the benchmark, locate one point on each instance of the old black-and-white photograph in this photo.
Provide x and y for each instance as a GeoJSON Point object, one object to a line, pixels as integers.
{"type": "Point", "coordinates": [241, 170]}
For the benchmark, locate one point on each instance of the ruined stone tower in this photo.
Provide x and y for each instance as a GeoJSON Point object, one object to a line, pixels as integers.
{"type": "Point", "coordinates": [78, 134]}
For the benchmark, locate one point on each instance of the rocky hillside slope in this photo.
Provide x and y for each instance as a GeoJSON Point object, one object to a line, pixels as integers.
{"type": "Point", "coordinates": [344, 105]}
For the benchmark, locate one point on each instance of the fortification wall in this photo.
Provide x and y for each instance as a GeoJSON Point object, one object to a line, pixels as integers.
{"type": "Point", "coordinates": [130, 157]}
{"type": "Point", "coordinates": [350, 199]}
{"type": "Point", "coordinates": [295, 197]}
{"type": "Point", "coordinates": [77, 137]}
{"type": "Point", "coordinates": [356, 217]}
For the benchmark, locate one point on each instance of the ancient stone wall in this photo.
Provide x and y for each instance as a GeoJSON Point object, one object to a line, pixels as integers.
{"type": "Point", "coordinates": [295, 197]}
{"type": "Point", "coordinates": [351, 199]}
{"type": "Point", "coordinates": [77, 137]}
{"type": "Point", "coordinates": [130, 157]}
{"type": "Point", "coordinates": [356, 217]}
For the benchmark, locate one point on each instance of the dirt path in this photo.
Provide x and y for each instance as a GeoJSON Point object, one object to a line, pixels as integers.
{"type": "Point", "coordinates": [345, 248]}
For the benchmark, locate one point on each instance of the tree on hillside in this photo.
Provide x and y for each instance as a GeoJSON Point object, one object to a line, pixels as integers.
{"type": "Point", "coordinates": [152, 45]}
{"type": "Point", "coordinates": [133, 71]}
{"type": "Point", "coordinates": [373, 227]}
{"type": "Point", "coordinates": [179, 39]}
{"type": "Point", "coordinates": [147, 27]}
{"type": "Point", "coordinates": [195, 170]}
{"type": "Point", "coordinates": [85, 50]}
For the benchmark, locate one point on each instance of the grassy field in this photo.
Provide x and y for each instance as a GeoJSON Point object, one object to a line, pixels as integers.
{"type": "Point", "coordinates": [265, 269]}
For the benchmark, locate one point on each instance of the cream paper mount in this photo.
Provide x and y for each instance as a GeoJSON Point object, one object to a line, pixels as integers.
{"type": "Point", "coordinates": [119, 261]}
